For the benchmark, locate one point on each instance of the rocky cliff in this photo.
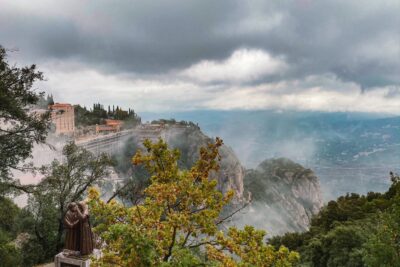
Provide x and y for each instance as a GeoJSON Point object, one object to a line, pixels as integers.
{"type": "Point", "coordinates": [284, 195]}
{"type": "Point", "coordinates": [189, 140]}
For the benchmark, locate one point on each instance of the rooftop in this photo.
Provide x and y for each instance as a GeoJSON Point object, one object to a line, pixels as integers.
{"type": "Point", "coordinates": [60, 105]}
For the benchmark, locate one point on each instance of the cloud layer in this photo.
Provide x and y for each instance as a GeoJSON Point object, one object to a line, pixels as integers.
{"type": "Point", "coordinates": [312, 55]}
{"type": "Point", "coordinates": [242, 66]}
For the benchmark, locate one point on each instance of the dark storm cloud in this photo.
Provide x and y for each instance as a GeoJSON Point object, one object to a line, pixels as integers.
{"type": "Point", "coordinates": [356, 40]}
{"type": "Point", "coordinates": [139, 36]}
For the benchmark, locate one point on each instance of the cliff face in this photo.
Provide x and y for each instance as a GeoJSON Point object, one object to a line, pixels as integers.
{"type": "Point", "coordinates": [284, 195]}
{"type": "Point", "coordinates": [189, 140]}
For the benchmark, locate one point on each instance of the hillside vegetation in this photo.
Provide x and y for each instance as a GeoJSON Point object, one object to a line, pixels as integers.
{"type": "Point", "coordinates": [97, 115]}
{"type": "Point", "coordinates": [354, 230]}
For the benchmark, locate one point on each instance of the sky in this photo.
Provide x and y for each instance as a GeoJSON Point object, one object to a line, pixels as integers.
{"type": "Point", "coordinates": [332, 55]}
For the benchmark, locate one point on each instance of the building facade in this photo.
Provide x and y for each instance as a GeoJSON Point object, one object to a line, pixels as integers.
{"type": "Point", "coordinates": [63, 117]}
{"type": "Point", "coordinates": [109, 126]}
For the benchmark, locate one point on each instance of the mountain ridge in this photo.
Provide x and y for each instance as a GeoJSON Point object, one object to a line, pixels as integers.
{"type": "Point", "coordinates": [288, 190]}
{"type": "Point", "coordinates": [289, 186]}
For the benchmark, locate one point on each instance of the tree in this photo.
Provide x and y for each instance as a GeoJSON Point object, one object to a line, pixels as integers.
{"type": "Point", "coordinates": [178, 222]}
{"type": "Point", "coordinates": [383, 246]}
{"type": "Point", "coordinates": [131, 191]}
{"type": "Point", "coordinates": [63, 183]}
{"type": "Point", "coordinates": [9, 253]}
{"type": "Point", "coordinates": [50, 100]}
{"type": "Point", "coordinates": [20, 128]}
{"type": "Point", "coordinates": [354, 230]}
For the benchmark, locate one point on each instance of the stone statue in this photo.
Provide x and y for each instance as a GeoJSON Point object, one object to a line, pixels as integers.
{"type": "Point", "coordinates": [71, 221]}
{"type": "Point", "coordinates": [79, 235]}
{"type": "Point", "coordinates": [86, 234]}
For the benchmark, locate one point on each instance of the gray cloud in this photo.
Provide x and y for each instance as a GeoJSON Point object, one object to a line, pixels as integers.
{"type": "Point", "coordinates": [355, 41]}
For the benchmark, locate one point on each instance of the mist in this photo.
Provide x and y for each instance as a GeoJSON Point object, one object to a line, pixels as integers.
{"type": "Point", "coordinates": [42, 154]}
{"type": "Point", "coordinates": [319, 141]}
{"type": "Point", "coordinates": [349, 152]}
{"type": "Point", "coordinates": [273, 220]}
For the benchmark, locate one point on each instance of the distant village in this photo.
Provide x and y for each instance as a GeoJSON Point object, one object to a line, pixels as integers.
{"type": "Point", "coordinates": [63, 118]}
{"type": "Point", "coordinates": [81, 123]}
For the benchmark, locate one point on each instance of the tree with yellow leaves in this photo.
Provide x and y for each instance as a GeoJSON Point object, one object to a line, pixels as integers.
{"type": "Point", "coordinates": [178, 222]}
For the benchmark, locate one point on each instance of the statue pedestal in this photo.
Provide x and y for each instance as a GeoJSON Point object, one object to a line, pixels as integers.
{"type": "Point", "coordinates": [61, 260]}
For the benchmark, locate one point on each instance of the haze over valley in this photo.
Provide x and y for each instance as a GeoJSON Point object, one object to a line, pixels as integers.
{"type": "Point", "coordinates": [200, 133]}
{"type": "Point", "coordinates": [350, 152]}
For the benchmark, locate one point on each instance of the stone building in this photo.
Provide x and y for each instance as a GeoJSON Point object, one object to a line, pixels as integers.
{"type": "Point", "coordinates": [63, 117]}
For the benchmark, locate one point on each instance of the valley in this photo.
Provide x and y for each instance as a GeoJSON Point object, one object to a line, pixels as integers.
{"type": "Point", "coordinates": [349, 152]}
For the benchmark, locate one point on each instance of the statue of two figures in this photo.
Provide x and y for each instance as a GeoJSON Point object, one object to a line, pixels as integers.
{"type": "Point", "coordinates": [79, 236]}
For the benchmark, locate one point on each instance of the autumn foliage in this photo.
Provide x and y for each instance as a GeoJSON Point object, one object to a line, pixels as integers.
{"type": "Point", "coordinates": [178, 223]}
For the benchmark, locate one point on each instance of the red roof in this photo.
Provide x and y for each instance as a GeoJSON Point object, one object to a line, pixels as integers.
{"type": "Point", "coordinates": [61, 105]}
{"type": "Point", "coordinates": [113, 122]}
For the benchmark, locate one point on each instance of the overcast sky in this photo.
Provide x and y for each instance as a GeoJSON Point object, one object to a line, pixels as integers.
{"type": "Point", "coordinates": [175, 55]}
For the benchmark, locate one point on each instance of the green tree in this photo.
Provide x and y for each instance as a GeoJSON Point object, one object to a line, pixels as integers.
{"type": "Point", "coordinates": [383, 246]}
{"type": "Point", "coordinates": [63, 182]}
{"type": "Point", "coordinates": [9, 254]}
{"type": "Point", "coordinates": [20, 128]}
{"type": "Point", "coordinates": [9, 212]}
{"type": "Point", "coordinates": [177, 224]}
{"type": "Point", "coordinates": [354, 230]}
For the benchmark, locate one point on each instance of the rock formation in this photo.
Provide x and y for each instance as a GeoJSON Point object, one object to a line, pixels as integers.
{"type": "Point", "coordinates": [189, 140]}
{"type": "Point", "coordinates": [284, 195]}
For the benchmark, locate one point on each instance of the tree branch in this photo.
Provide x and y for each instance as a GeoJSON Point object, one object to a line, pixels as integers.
{"type": "Point", "coordinates": [116, 193]}
{"type": "Point", "coordinates": [231, 215]}
{"type": "Point", "coordinates": [29, 189]}
{"type": "Point", "coordinates": [166, 257]}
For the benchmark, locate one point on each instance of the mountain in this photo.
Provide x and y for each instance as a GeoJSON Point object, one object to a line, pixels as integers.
{"type": "Point", "coordinates": [349, 152]}
{"type": "Point", "coordinates": [188, 138]}
{"type": "Point", "coordinates": [284, 195]}
{"type": "Point", "coordinates": [279, 186]}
